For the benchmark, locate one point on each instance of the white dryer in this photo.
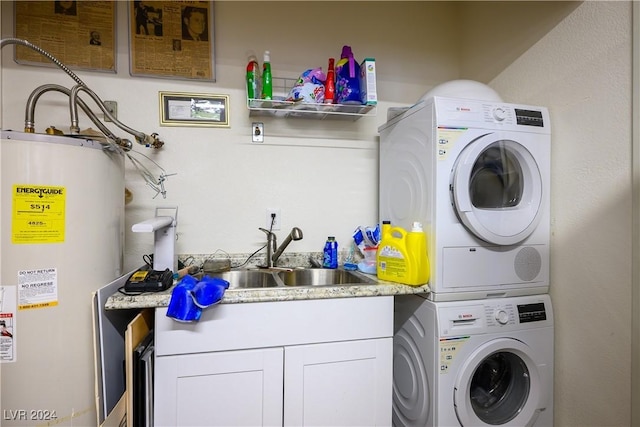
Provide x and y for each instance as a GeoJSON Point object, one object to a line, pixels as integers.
{"type": "Point", "coordinates": [473, 363]}
{"type": "Point", "coordinates": [477, 175]}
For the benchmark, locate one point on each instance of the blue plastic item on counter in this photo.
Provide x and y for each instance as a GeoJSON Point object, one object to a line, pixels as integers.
{"type": "Point", "coordinates": [190, 296]}
{"type": "Point", "coordinates": [181, 305]}
{"type": "Point", "coordinates": [330, 259]}
{"type": "Point", "coordinates": [209, 291]}
{"type": "Point", "coordinates": [367, 267]}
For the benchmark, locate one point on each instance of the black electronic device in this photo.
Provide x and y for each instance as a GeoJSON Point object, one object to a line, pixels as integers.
{"type": "Point", "coordinates": [149, 281]}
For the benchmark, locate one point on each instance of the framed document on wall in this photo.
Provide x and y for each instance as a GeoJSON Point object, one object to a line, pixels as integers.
{"type": "Point", "coordinates": [194, 109]}
{"type": "Point", "coordinates": [172, 39]}
{"type": "Point", "coordinates": [80, 34]}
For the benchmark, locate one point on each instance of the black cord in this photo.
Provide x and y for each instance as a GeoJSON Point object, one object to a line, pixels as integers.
{"type": "Point", "coordinates": [273, 221]}
{"type": "Point", "coordinates": [189, 261]}
{"type": "Point", "coordinates": [148, 260]}
{"type": "Point", "coordinates": [123, 292]}
{"type": "Point", "coordinates": [250, 256]}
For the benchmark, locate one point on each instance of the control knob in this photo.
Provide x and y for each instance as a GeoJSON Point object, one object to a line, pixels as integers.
{"type": "Point", "coordinates": [502, 317]}
{"type": "Point", "coordinates": [499, 113]}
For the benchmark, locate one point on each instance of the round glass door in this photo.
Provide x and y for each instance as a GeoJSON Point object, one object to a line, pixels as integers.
{"type": "Point", "coordinates": [499, 385]}
{"type": "Point", "coordinates": [499, 388]}
{"type": "Point", "coordinates": [497, 190]}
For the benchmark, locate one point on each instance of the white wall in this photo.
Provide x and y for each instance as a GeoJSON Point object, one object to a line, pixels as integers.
{"type": "Point", "coordinates": [321, 174]}
{"type": "Point", "coordinates": [581, 70]}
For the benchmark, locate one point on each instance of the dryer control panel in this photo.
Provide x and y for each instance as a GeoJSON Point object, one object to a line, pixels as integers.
{"type": "Point", "coordinates": [452, 112]}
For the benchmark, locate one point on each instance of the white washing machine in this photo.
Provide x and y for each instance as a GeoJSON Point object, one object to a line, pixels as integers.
{"type": "Point", "coordinates": [477, 175]}
{"type": "Point", "coordinates": [473, 363]}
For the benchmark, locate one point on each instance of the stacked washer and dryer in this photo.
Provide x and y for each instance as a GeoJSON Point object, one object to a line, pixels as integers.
{"type": "Point", "coordinates": [478, 349]}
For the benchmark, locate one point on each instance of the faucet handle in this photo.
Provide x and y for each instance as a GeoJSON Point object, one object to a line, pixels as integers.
{"type": "Point", "coordinates": [268, 233]}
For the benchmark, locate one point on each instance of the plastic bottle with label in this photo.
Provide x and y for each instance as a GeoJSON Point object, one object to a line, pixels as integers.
{"type": "Point", "coordinates": [330, 259]}
{"type": "Point", "coordinates": [402, 256]}
{"type": "Point", "coordinates": [253, 78]}
{"type": "Point", "coordinates": [330, 83]}
{"type": "Point", "coordinates": [347, 78]}
{"type": "Point", "coordinates": [267, 84]}
{"type": "Point", "coordinates": [417, 244]}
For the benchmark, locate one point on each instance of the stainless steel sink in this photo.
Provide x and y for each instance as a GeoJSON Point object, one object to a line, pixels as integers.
{"type": "Point", "coordinates": [322, 277]}
{"type": "Point", "coordinates": [265, 278]}
{"type": "Point", "coordinates": [246, 279]}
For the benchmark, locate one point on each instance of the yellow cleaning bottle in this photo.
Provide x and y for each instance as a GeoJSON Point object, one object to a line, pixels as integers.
{"type": "Point", "coordinates": [402, 256]}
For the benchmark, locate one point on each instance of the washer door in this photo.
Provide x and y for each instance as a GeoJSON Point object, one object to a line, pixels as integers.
{"type": "Point", "coordinates": [496, 188]}
{"type": "Point", "coordinates": [499, 385]}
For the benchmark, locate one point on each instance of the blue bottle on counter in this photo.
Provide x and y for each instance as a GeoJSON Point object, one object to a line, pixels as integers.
{"type": "Point", "coordinates": [330, 259]}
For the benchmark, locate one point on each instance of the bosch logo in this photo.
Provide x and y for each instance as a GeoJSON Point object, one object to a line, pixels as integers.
{"type": "Point", "coordinates": [465, 316]}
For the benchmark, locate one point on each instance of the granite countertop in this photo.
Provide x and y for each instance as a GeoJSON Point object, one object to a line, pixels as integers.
{"type": "Point", "coordinates": [120, 301]}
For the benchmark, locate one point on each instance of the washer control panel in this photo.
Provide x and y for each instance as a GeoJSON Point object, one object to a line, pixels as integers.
{"type": "Point", "coordinates": [492, 315]}
{"type": "Point", "coordinates": [500, 314]}
{"type": "Point", "coordinates": [534, 312]}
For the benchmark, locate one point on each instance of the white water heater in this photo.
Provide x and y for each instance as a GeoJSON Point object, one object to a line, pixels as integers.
{"type": "Point", "coordinates": [62, 234]}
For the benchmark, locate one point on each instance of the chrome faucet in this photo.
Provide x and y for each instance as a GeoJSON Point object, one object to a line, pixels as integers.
{"type": "Point", "coordinates": [273, 251]}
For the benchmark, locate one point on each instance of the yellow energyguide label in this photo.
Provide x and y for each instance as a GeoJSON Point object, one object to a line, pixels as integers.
{"type": "Point", "coordinates": [38, 214]}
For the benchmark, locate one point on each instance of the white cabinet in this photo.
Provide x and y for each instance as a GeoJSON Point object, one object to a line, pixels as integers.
{"type": "Point", "coordinates": [295, 363]}
{"type": "Point", "coordinates": [338, 384]}
{"type": "Point", "coordinates": [229, 388]}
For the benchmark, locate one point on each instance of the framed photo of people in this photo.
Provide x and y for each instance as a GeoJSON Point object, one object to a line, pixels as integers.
{"type": "Point", "coordinates": [172, 39]}
{"type": "Point", "coordinates": [80, 34]}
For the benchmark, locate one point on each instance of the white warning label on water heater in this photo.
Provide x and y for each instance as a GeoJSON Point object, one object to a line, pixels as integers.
{"type": "Point", "coordinates": [38, 214]}
{"type": "Point", "coordinates": [37, 288]}
{"type": "Point", "coordinates": [8, 324]}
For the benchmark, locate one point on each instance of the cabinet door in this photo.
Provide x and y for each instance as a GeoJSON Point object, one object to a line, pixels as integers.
{"type": "Point", "coordinates": [231, 388]}
{"type": "Point", "coordinates": [339, 384]}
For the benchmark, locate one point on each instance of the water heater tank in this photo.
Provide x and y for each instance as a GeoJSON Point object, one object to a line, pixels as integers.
{"type": "Point", "coordinates": [62, 235]}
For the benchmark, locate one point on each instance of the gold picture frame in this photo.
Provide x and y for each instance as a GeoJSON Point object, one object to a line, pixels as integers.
{"type": "Point", "coordinates": [80, 34]}
{"type": "Point", "coordinates": [172, 39]}
{"type": "Point", "coordinates": [194, 109]}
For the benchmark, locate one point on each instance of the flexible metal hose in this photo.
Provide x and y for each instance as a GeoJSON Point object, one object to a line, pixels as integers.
{"type": "Point", "coordinates": [118, 143]}
{"type": "Point", "coordinates": [4, 42]}
{"type": "Point", "coordinates": [142, 138]}
{"type": "Point", "coordinates": [39, 91]}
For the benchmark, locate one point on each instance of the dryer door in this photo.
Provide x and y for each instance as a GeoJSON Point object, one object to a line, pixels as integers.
{"type": "Point", "coordinates": [496, 189]}
{"type": "Point", "coordinates": [499, 385]}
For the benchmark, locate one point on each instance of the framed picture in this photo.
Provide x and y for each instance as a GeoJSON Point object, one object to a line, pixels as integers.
{"type": "Point", "coordinates": [172, 39]}
{"type": "Point", "coordinates": [80, 34]}
{"type": "Point", "coordinates": [194, 109]}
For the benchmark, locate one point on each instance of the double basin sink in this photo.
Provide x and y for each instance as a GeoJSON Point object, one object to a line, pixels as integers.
{"type": "Point", "coordinates": [305, 277]}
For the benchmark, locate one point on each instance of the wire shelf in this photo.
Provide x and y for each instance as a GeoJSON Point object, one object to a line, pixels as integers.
{"type": "Point", "coordinates": [278, 107]}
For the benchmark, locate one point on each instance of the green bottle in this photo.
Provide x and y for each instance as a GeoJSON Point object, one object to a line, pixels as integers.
{"type": "Point", "coordinates": [253, 78]}
{"type": "Point", "coordinates": [267, 85]}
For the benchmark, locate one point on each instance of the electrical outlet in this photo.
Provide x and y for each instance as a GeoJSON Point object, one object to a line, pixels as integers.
{"type": "Point", "coordinates": [276, 220]}
{"type": "Point", "coordinates": [257, 132]}
{"type": "Point", "coordinates": [112, 108]}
